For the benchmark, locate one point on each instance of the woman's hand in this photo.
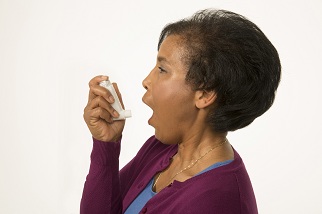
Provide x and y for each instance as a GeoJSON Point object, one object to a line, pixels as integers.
{"type": "Point", "coordinates": [98, 114]}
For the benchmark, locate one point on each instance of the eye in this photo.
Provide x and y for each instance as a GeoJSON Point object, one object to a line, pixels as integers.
{"type": "Point", "coordinates": [161, 70]}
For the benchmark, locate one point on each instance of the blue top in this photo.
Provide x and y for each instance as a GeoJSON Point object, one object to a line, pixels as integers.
{"type": "Point", "coordinates": [148, 193]}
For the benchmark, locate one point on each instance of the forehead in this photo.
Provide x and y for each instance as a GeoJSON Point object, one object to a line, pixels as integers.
{"type": "Point", "coordinates": [172, 50]}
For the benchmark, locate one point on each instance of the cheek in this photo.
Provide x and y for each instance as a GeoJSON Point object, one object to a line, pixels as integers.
{"type": "Point", "coordinates": [172, 105]}
{"type": "Point", "coordinates": [173, 100]}
{"type": "Point", "coordinates": [164, 95]}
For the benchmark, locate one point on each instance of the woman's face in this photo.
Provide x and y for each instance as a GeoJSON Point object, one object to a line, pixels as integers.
{"type": "Point", "coordinates": [169, 95]}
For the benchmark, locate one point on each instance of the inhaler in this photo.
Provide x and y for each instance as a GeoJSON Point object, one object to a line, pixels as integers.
{"type": "Point", "coordinates": [117, 104]}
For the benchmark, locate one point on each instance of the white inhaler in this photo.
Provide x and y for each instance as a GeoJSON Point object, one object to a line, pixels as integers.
{"type": "Point", "coordinates": [117, 104]}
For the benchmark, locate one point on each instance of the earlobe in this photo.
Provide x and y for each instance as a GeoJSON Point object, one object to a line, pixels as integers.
{"type": "Point", "coordinates": [205, 98]}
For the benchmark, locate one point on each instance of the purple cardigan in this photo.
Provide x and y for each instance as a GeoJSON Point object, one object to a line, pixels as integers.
{"type": "Point", "coordinates": [224, 190]}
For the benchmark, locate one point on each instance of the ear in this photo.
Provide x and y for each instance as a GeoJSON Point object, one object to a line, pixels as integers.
{"type": "Point", "coordinates": [204, 99]}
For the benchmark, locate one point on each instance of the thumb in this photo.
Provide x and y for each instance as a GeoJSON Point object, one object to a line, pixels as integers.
{"type": "Point", "coordinates": [118, 94]}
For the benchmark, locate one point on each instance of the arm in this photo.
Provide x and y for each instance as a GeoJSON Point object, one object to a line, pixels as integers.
{"type": "Point", "coordinates": [101, 192]}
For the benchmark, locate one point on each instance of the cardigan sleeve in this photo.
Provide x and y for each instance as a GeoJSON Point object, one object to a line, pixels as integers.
{"type": "Point", "coordinates": [101, 193]}
{"type": "Point", "coordinates": [106, 186]}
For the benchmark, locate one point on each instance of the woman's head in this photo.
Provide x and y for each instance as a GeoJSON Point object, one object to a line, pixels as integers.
{"type": "Point", "coordinates": [228, 54]}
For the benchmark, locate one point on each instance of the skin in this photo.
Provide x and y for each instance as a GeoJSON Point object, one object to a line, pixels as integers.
{"type": "Point", "coordinates": [179, 115]}
{"type": "Point", "coordinates": [98, 112]}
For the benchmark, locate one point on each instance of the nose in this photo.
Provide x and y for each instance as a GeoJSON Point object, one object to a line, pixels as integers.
{"type": "Point", "coordinates": [146, 82]}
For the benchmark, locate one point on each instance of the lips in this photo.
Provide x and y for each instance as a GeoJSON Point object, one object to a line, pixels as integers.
{"type": "Point", "coordinates": [150, 120]}
{"type": "Point", "coordinates": [144, 100]}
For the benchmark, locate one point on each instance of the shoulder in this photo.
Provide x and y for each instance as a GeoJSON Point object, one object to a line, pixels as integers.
{"type": "Point", "coordinates": [226, 189]}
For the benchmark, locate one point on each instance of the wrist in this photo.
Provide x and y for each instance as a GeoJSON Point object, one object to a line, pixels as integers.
{"type": "Point", "coordinates": [108, 140]}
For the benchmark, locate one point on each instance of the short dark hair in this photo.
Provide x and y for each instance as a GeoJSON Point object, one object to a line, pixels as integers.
{"type": "Point", "coordinates": [228, 54]}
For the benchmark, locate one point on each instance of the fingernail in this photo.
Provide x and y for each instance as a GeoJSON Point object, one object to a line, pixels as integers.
{"type": "Point", "coordinates": [103, 77]}
{"type": "Point", "coordinates": [111, 98]}
{"type": "Point", "coordinates": [115, 113]}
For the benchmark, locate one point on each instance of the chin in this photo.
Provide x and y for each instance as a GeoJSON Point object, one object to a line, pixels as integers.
{"type": "Point", "coordinates": [158, 136]}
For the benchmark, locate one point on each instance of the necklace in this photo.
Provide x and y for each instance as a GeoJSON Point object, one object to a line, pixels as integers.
{"type": "Point", "coordinates": [190, 165]}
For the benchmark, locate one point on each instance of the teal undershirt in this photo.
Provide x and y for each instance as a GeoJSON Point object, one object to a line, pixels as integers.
{"type": "Point", "coordinates": [148, 193]}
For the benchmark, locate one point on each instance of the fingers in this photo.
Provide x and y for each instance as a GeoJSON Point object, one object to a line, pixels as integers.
{"type": "Point", "coordinates": [96, 89]}
{"type": "Point", "coordinates": [99, 112]}
{"type": "Point", "coordinates": [96, 80]}
{"type": "Point", "coordinates": [100, 102]}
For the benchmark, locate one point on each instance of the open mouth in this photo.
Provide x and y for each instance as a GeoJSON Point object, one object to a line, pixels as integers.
{"type": "Point", "coordinates": [150, 120]}
{"type": "Point", "coordinates": [144, 101]}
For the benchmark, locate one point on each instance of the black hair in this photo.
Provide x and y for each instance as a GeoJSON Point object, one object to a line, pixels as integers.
{"type": "Point", "coordinates": [228, 54]}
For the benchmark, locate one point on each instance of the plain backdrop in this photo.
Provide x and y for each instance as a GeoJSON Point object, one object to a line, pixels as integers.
{"type": "Point", "coordinates": [49, 50]}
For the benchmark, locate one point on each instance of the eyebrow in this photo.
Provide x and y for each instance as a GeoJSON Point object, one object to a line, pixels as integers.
{"type": "Point", "coordinates": [163, 59]}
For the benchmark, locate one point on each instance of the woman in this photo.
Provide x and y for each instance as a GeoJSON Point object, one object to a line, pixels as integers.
{"type": "Point", "coordinates": [215, 72]}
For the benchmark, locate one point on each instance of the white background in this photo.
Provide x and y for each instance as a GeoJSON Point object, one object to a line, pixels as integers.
{"type": "Point", "coordinates": [49, 50]}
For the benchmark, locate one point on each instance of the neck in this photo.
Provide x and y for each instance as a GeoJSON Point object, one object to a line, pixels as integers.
{"type": "Point", "coordinates": [198, 144]}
